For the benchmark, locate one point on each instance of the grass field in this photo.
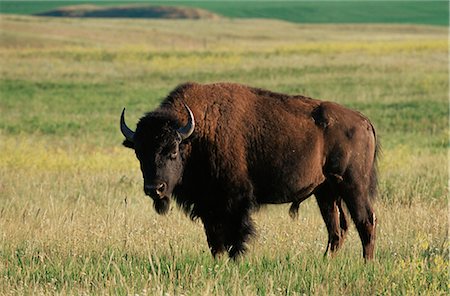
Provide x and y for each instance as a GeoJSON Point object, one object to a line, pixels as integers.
{"type": "Point", "coordinates": [74, 219]}
{"type": "Point", "coordinates": [434, 12]}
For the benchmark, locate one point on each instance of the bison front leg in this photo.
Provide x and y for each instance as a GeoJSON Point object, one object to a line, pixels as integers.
{"type": "Point", "coordinates": [227, 221]}
{"type": "Point", "coordinates": [215, 236]}
{"type": "Point", "coordinates": [239, 229]}
{"type": "Point", "coordinates": [228, 233]}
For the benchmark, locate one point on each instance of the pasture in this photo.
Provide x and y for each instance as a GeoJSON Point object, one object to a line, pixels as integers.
{"type": "Point", "coordinates": [433, 12]}
{"type": "Point", "coordinates": [74, 219]}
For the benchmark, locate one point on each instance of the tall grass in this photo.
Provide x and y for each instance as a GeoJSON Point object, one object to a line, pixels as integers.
{"type": "Point", "coordinates": [74, 220]}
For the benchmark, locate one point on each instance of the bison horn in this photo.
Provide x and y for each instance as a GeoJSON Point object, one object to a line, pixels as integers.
{"type": "Point", "coordinates": [188, 129]}
{"type": "Point", "coordinates": [126, 131]}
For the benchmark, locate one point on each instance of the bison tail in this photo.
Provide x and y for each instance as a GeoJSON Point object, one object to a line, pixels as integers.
{"type": "Point", "coordinates": [373, 185]}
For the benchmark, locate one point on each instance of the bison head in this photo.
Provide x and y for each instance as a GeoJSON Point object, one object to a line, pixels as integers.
{"type": "Point", "coordinates": [158, 144]}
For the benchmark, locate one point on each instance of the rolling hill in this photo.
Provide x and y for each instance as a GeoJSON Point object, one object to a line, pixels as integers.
{"type": "Point", "coordinates": [131, 11]}
{"type": "Point", "coordinates": [404, 12]}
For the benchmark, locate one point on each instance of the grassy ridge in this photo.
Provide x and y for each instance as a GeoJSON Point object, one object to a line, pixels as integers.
{"type": "Point", "coordinates": [409, 12]}
{"type": "Point", "coordinates": [73, 218]}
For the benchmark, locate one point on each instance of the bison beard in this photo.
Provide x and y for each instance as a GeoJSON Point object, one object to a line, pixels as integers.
{"type": "Point", "coordinates": [161, 205]}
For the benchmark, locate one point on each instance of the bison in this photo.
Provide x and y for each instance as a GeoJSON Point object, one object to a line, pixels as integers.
{"type": "Point", "coordinates": [221, 150]}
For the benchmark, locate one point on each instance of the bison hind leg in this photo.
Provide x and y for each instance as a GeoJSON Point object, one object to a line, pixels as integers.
{"type": "Point", "coordinates": [330, 205]}
{"type": "Point", "coordinates": [363, 216]}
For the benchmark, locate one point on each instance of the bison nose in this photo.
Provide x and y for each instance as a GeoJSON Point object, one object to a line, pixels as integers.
{"type": "Point", "coordinates": [155, 191]}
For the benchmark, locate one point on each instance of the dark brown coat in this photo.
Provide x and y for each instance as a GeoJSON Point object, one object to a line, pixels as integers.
{"type": "Point", "coordinates": [251, 147]}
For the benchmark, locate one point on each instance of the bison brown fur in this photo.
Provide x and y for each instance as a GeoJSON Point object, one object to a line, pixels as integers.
{"type": "Point", "coordinates": [247, 147]}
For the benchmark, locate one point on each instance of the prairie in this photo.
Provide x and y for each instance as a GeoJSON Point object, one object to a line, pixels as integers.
{"type": "Point", "coordinates": [74, 219]}
{"type": "Point", "coordinates": [434, 12]}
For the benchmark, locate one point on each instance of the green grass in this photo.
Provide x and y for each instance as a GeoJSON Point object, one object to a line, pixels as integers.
{"type": "Point", "coordinates": [74, 220]}
{"type": "Point", "coordinates": [407, 12]}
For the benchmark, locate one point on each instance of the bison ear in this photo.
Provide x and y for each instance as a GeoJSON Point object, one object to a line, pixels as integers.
{"type": "Point", "coordinates": [128, 144]}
